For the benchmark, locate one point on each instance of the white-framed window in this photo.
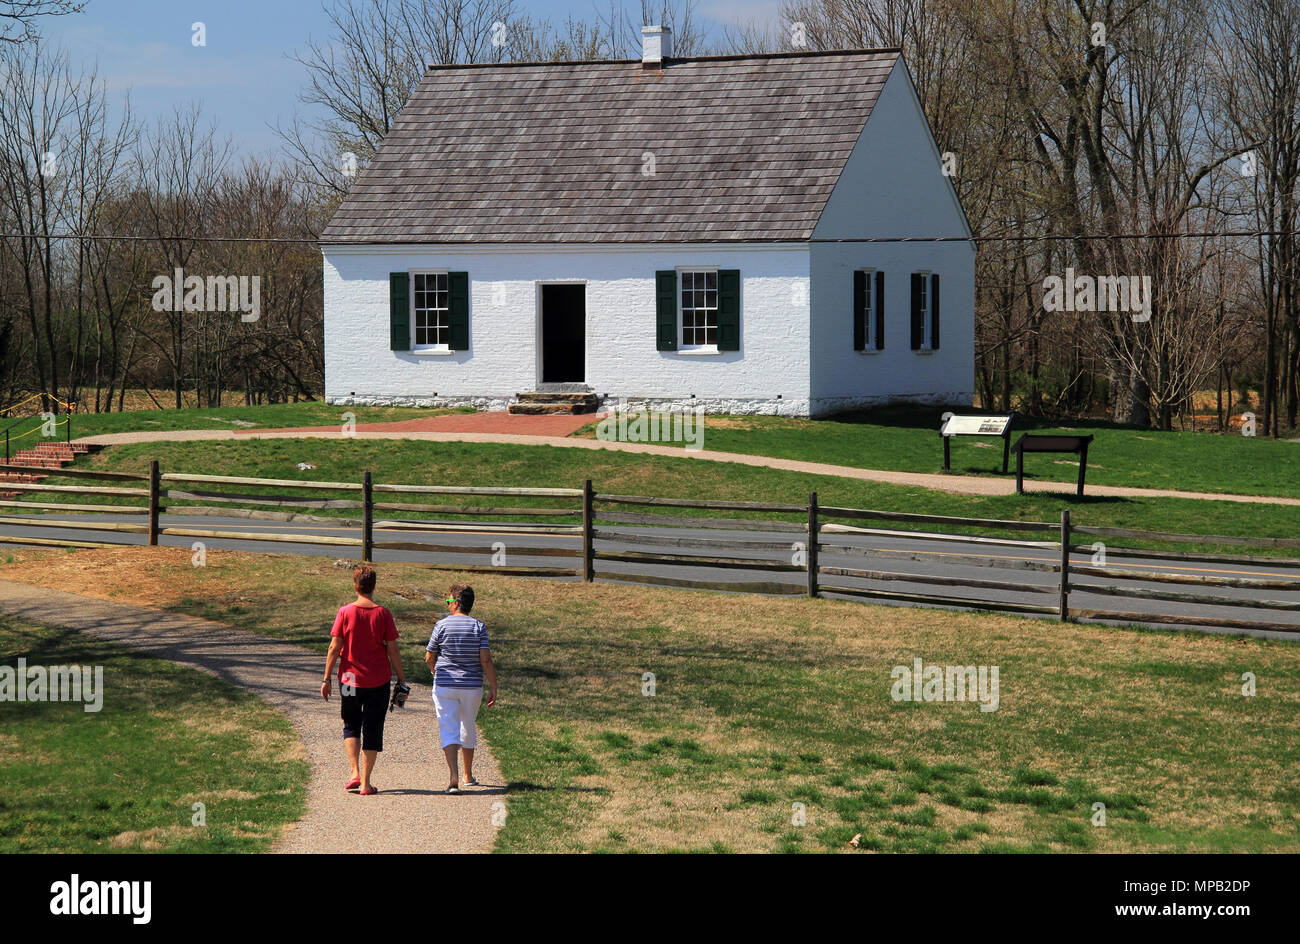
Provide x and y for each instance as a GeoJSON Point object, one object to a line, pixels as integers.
{"type": "Point", "coordinates": [698, 296]}
{"type": "Point", "coordinates": [430, 312]}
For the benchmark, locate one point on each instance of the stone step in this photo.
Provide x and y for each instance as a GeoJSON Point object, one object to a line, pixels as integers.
{"type": "Point", "coordinates": [544, 397]}
{"type": "Point", "coordinates": [542, 402]}
{"type": "Point", "coordinates": [538, 409]}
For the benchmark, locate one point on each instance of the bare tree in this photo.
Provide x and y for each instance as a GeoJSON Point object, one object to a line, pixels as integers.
{"type": "Point", "coordinates": [18, 17]}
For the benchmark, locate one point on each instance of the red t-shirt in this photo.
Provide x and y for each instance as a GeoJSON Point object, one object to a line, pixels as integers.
{"type": "Point", "coordinates": [365, 631]}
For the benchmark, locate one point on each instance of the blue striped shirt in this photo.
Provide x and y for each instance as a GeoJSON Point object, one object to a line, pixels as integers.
{"type": "Point", "coordinates": [456, 641]}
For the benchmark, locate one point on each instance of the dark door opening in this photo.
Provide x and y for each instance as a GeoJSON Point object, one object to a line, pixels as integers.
{"type": "Point", "coordinates": [564, 333]}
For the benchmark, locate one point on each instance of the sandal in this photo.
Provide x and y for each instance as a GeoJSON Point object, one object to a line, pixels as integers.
{"type": "Point", "coordinates": [453, 788]}
{"type": "Point", "coordinates": [353, 784]}
{"type": "Point", "coordinates": [369, 791]}
{"type": "Point", "coordinates": [471, 782]}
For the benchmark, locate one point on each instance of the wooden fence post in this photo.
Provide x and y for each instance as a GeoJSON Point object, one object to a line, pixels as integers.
{"type": "Point", "coordinates": [367, 519]}
{"type": "Point", "coordinates": [1065, 564]}
{"type": "Point", "coordinates": [154, 491]}
{"type": "Point", "coordinates": [811, 553]}
{"type": "Point", "coordinates": [588, 535]}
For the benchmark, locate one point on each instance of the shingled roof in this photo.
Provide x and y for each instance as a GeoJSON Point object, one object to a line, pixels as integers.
{"type": "Point", "coordinates": [744, 148]}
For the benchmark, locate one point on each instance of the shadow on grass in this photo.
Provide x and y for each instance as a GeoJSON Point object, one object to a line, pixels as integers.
{"type": "Point", "coordinates": [527, 786]}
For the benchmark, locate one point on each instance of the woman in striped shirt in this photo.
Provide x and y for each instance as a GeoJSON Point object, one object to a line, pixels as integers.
{"type": "Point", "coordinates": [459, 657]}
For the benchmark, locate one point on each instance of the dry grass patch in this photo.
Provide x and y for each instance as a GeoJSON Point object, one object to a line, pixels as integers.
{"type": "Point", "coordinates": [762, 703]}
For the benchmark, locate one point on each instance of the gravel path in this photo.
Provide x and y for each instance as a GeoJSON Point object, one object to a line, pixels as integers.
{"type": "Point", "coordinates": [407, 815]}
{"type": "Point", "coordinates": [955, 484]}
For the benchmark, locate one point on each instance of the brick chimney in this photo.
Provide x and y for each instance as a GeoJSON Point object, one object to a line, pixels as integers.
{"type": "Point", "coordinates": [656, 46]}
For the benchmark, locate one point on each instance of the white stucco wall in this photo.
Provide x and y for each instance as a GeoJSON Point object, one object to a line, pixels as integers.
{"type": "Point", "coordinates": [769, 374]}
{"type": "Point", "coordinates": [844, 378]}
{"type": "Point", "coordinates": [892, 186]}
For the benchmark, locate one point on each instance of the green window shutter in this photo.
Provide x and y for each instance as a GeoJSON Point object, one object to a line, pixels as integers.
{"type": "Point", "coordinates": [399, 311]}
{"type": "Point", "coordinates": [458, 311]}
{"type": "Point", "coordinates": [859, 315]}
{"type": "Point", "coordinates": [880, 310]}
{"type": "Point", "coordinates": [934, 312]}
{"type": "Point", "coordinates": [666, 310]}
{"type": "Point", "coordinates": [729, 310]}
{"type": "Point", "coordinates": [918, 313]}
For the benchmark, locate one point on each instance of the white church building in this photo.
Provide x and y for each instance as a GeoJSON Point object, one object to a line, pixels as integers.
{"type": "Point", "coordinates": [722, 232]}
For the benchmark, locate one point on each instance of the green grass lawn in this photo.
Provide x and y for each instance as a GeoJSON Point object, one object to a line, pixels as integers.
{"type": "Point", "coordinates": [892, 438]}
{"type": "Point", "coordinates": [126, 778]}
{"type": "Point", "coordinates": [272, 416]}
{"type": "Point", "coordinates": [907, 440]}
{"type": "Point", "coordinates": [760, 704]}
{"type": "Point", "coordinates": [487, 464]}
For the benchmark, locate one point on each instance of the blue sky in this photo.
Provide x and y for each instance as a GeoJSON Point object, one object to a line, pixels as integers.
{"type": "Point", "coordinates": [243, 79]}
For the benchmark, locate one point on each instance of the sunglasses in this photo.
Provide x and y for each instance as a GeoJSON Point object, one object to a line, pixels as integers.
{"type": "Point", "coordinates": [450, 600]}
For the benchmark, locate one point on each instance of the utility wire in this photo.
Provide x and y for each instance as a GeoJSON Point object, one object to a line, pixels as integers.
{"type": "Point", "coordinates": [1252, 234]}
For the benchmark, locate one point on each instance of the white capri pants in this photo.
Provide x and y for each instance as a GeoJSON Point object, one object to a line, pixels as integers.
{"type": "Point", "coordinates": [457, 708]}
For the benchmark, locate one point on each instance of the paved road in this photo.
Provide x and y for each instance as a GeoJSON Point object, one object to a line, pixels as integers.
{"type": "Point", "coordinates": [890, 553]}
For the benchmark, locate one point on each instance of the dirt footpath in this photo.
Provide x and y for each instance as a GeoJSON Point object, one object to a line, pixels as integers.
{"type": "Point", "coordinates": [408, 815]}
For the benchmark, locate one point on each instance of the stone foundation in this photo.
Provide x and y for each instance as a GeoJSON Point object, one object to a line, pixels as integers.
{"type": "Point", "coordinates": [736, 406]}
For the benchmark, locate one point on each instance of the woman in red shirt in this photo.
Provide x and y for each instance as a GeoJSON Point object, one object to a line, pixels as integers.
{"type": "Point", "coordinates": [365, 648]}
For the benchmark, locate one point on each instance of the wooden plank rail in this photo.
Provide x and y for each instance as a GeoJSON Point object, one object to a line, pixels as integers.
{"type": "Point", "coordinates": [834, 512]}
{"type": "Point", "coordinates": [1177, 538]}
{"type": "Point", "coordinates": [516, 551]}
{"type": "Point", "coordinates": [941, 558]}
{"type": "Point", "coordinates": [75, 489]}
{"type": "Point", "coordinates": [936, 536]}
{"type": "Point", "coordinates": [54, 542]}
{"type": "Point", "coordinates": [241, 499]}
{"type": "Point", "coordinates": [268, 483]}
{"type": "Point", "coordinates": [778, 589]}
{"type": "Point", "coordinates": [1212, 599]}
{"type": "Point", "coordinates": [76, 525]}
{"type": "Point", "coordinates": [733, 563]}
{"type": "Point", "coordinates": [1194, 557]}
{"type": "Point", "coordinates": [64, 506]}
{"type": "Point", "coordinates": [262, 536]}
{"type": "Point", "coordinates": [481, 490]}
{"type": "Point", "coordinates": [74, 473]}
{"type": "Point", "coordinates": [1247, 583]}
{"type": "Point", "coordinates": [973, 582]}
{"type": "Point", "coordinates": [702, 503]}
{"type": "Point", "coordinates": [469, 510]}
{"type": "Point", "coordinates": [485, 527]}
{"type": "Point", "coordinates": [942, 601]}
{"type": "Point", "coordinates": [720, 524]}
{"type": "Point", "coordinates": [663, 540]}
{"type": "Point", "coordinates": [1119, 617]}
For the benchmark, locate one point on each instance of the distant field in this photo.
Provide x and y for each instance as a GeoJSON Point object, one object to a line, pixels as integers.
{"type": "Point", "coordinates": [125, 778]}
{"type": "Point", "coordinates": [908, 440]}
{"type": "Point", "coordinates": [760, 704]}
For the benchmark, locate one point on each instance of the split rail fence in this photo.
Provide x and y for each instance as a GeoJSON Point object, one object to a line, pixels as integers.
{"type": "Point", "coordinates": [776, 548]}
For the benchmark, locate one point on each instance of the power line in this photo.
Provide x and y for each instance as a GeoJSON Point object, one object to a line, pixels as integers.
{"type": "Point", "coordinates": [1053, 237]}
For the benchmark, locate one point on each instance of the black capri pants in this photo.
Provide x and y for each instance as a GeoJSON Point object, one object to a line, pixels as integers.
{"type": "Point", "coordinates": [363, 715]}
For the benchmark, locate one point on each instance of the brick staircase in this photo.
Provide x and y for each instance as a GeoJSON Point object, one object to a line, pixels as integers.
{"type": "Point", "coordinates": [46, 455]}
{"type": "Point", "coordinates": [543, 401]}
